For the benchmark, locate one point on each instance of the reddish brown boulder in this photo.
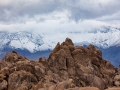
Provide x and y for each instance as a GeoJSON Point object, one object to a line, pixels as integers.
{"type": "Point", "coordinates": [13, 57]}
{"type": "Point", "coordinates": [21, 80]}
{"type": "Point", "coordinates": [3, 85]}
{"type": "Point", "coordinates": [62, 85]}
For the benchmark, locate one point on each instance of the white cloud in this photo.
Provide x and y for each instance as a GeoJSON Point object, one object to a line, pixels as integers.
{"type": "Point", "coordinates": [56, 24]}
{"type": "Point", "coordinates": [51, 16]}
{"type": "Point", "coordinates": [20, 11]}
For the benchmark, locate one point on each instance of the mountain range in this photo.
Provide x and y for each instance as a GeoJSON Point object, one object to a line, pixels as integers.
{"type": "Point", "coordinates": [34, 45]}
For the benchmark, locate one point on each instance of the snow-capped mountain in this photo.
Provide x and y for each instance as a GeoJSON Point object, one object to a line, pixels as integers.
{"type": "Point", "coordinates": [34, 45]}
{"type": "Point", "coordinates": [20, 40]}
{"type": "Point", "coordinates": [101, 37]}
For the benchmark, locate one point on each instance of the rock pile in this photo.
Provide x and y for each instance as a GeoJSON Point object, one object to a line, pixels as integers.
{"type": "Point", "coordinates": [67, 68]}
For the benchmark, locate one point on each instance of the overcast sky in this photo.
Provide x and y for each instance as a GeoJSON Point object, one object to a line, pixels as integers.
{"type": "Point", "coordinates": [55, 15]}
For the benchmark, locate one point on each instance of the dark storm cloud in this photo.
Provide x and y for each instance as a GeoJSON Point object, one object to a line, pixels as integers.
{"type": "Point", "coordinates": [22, 10]}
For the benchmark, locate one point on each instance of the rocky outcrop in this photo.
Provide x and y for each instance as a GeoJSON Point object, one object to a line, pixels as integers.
{"type": "Point", "coordinates": [19, 73]}
{"type": "Point", "coordinates": [84, 65]}
{"type": "Point", "coordinates": [117, 78]}
{"type": "Point", "coordinates": [67, 68]}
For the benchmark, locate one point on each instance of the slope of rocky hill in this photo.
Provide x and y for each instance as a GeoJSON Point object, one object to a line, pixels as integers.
{"type": "Point", "coordinates": [67, 68]}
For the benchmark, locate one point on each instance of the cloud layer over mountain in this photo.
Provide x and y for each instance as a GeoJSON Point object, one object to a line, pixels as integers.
{"type": "Point", "coordinates": [53, 15]}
